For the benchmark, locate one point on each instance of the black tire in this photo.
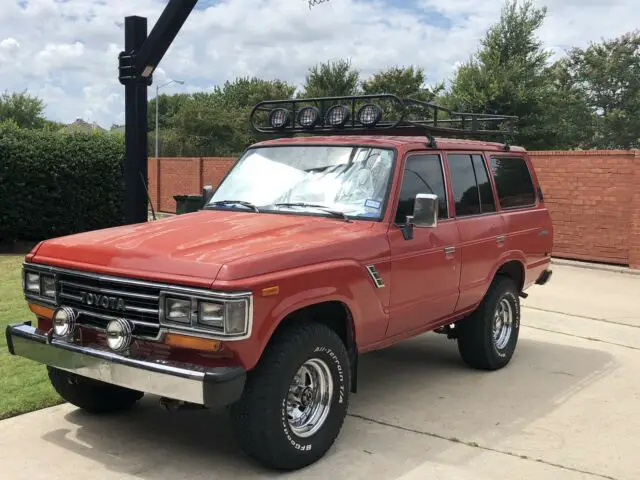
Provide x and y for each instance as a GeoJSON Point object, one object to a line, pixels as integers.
{"type": "Point", "coordinates": [92, 395]}
{"type": "Point", "coordinates": [476, 343]}
{"type": "Point", "coordinates": [260, 417]}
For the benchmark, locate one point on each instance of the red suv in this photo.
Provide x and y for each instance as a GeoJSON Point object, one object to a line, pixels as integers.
{"type": "Point", "coordinates": [314, 249]}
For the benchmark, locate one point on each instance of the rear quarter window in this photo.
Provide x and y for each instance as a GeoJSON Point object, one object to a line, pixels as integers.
{"type": "Point", "coordinates": [513, 180]}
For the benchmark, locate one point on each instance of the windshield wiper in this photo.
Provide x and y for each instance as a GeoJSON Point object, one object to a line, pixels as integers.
{"type": "Point", "coordinates": [335, 213]}
{"type": "Point", "coordinates": [237, 202]}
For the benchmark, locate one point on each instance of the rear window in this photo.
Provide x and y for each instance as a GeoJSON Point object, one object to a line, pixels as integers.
{"type": "Point", "coordinates": [513, 182]}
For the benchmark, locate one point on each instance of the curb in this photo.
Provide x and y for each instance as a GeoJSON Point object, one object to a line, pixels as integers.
{"type": "Point", "coordinates": [595, 266]}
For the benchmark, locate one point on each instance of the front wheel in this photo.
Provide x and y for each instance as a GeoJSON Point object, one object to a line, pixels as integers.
{"type": "Point", "coordinates": [296, 399]}
{"type": "Point", "coordinates": [487, 338]}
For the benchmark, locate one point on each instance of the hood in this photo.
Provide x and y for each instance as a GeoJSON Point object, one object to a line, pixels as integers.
{"type": "Point", "coordinates": [195, 247]}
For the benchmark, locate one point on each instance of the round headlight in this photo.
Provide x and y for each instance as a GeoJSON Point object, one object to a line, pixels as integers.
{"type": "Point", "coordinates": [119, 334]}
{"type": "Point", "coordinates": [369, 114]}
{"type": "Point", "coordinates": [279, 118]}
{"type": "Point", "coordinates": [64, 321]}
{"type": "Point", "coordinates": [338, 115]}
{"type": "Point", "coordinates": [308, 117]}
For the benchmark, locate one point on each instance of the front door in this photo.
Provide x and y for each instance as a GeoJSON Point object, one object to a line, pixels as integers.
{"type": "Point", "coordinates": [425, 270]}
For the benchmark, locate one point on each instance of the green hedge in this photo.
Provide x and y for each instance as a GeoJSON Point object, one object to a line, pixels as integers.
{"type": "Point", "coordinates": [54, 184]}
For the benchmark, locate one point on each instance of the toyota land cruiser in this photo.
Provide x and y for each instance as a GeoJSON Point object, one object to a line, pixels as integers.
{"type": "Point", "coordinates": [315, 248]}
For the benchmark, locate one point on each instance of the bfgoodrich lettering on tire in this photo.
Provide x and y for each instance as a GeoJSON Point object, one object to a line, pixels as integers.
{"type": "Point", "coordinates": [487, 338]}
{"type": "Point", "coordinates": [296, 399]}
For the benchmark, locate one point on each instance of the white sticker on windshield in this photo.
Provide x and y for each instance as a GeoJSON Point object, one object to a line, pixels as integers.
{"type": "Point", "coordinates": [371, 203]}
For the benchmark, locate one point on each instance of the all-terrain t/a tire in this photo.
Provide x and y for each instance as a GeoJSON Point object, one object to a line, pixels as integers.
{"type": "Point", "coordinates": [295, 400]}
{"type": "Point", "coordinates": [92, 395]}
{"type": "Point", "coordinates": [487, 338]}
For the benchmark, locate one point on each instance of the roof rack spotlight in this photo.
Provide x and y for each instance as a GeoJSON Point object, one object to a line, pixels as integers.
{"type": "Point", "coordinates": [369, 114]}
{"type": "Point", "coordinates": [279, 118]}
{"type": "Point", "coordinates": [337, 115]}
{"type": "Point", "coordinates": [308, 117]}
{"type": "Point", "coordinates": [363, 114]}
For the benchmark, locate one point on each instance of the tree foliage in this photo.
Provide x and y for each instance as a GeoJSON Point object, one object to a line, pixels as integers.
{"type": "Point", "coordinates": [331, 79]}
{"type": "Point", "coordinates": [607, 76]}
{"type": "Point", "coordinates": [25, 110]}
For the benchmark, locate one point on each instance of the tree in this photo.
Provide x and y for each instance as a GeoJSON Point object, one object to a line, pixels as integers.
{"type": "Point", "coordinates": [25, 110]}
{"type": "Point", "coordinates": [403, 82]}
{"type": "Point", "coordinates": [607, 74]}
{"type": "Point", "coordinates": [331, 79]}
{"type": "Point", "coordinates": [509, 75]}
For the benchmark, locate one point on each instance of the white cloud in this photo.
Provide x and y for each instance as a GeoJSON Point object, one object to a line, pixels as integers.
{"type": "Point", "coordinates": [66, 52]}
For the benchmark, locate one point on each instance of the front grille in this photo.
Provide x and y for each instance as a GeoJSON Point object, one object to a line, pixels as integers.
{"type": "Point", "coordinates": [99, 300]}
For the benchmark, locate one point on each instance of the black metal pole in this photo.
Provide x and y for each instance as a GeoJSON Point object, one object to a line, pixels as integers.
{"type": "Point", "coordinates": [136, 128]}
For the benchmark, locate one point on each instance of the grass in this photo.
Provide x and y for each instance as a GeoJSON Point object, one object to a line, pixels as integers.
{"type": "Point", "coordinates": [24, 385]}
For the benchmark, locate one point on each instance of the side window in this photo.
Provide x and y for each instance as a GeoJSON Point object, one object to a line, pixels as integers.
{"type": "Point", "coordinates": [513, 182]}
{"type": "Point", "coordinates": [465, 187]}
{"type": "Point", "coordinates": [422, 174]}
{"type": "Point", "coordinates": [487, 202]}
{"type": "Point", "coordinates": [471, 187]}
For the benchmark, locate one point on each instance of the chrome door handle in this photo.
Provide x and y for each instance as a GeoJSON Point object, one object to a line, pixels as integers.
{"type": "Point", "coordinates": [449, 250]}
{"type": "Point", "coordinates": [500, 238]}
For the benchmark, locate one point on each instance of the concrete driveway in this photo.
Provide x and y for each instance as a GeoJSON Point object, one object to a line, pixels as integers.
{"type": "Point", "coordinates": [566, 408]}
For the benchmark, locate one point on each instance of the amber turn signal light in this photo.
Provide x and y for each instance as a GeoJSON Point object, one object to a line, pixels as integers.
{"type": "Point", "coordinates": [40, 311]}
{"type": "Point", "coordinates": [193, 343]}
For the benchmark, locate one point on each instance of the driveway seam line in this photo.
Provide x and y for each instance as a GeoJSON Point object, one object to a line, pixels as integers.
{"type": "Point", "coordinates": [595, 319]}
{"type": "Point", "coordinates": [481, 447]}
{"type": "Point", "coordinates": [591, 339]}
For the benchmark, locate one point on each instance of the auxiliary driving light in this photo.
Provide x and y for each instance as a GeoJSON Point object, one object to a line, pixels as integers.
{"type": "Point", "coordinates": [279, 118]}
{"type": "Point", "coordinates": [308, 117]}
{"type": "Point", "coordinates": [119, 334]}
{"type": "Point", "coordinates": [64, 321]}
{"type": "Point", "coordinates": [369, 114]}
{"type": "Point", "coordinates": [338, 115]}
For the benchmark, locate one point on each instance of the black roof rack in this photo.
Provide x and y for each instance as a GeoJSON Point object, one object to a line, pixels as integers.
{"type": "Point", "coordinates": [383, 114]}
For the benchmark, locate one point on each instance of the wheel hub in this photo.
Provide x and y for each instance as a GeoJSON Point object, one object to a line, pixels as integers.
{"type": "Point", "coordinates": [309, 398]}
{"type": "Point", "coordinates": [502, 324]}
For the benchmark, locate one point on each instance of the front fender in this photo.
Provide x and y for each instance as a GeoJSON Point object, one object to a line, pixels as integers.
{"type": "Point", "coordinates": [346, 282]}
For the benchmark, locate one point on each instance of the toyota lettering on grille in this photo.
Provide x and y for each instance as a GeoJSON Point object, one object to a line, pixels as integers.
{"type": "Point", "coordinates": [104, 301]}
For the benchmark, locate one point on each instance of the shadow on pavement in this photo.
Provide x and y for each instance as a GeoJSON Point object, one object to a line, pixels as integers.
{"type": "Point", "coordinates": [420, 384]}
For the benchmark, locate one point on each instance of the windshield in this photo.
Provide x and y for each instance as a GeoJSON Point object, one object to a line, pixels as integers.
{"type": "Point", "coordinates": [347, 180]}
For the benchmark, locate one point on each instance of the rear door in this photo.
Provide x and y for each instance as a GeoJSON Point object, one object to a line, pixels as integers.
{"type": "Point", "coordinates": [527, 222]}
{"type": "Point", "coordinates": [481, 227]}
{"type": "Point", "coordinates": [425, 270]}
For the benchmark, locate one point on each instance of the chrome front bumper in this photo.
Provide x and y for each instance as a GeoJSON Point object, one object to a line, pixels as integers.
{"type": "Point", "coordinates": [211, 387]}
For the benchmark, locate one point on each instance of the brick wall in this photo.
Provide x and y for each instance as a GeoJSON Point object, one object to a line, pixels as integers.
{"type": "Point", "coordinates": [593, 197]}
{"type": "Point", "coordinates": [590, 195]}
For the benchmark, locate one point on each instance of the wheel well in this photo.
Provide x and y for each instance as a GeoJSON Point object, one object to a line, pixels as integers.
{"type": "Point", "coordinates": [515, 271]}
{"type": "Point", "coordinates": [335, 315]}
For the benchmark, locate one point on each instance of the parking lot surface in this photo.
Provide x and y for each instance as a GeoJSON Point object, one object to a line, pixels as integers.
{"type": "Point", "coordinates": [565, 408]}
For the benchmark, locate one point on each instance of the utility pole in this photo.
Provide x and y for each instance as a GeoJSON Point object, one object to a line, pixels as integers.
{"type": "Point", "coordinates": [137, 63]}
{"type": "Point", "coordinates": [158, 109]}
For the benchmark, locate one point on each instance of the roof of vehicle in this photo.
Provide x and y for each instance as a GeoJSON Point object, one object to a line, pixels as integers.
{"type": "Point", "coordinates": [408, 142]}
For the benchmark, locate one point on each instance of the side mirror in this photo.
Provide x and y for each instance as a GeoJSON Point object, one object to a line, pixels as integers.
{"type": "Point", "coordinates": [207, 193]}
{"type": "Point", "coordinates": [425, 211]}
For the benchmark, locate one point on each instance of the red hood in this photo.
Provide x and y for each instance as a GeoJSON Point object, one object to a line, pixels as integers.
{"type": "Point", "coordinates": [198, 248]}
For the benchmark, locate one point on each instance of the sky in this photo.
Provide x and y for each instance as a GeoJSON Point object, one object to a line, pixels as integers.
{"type": "Point", "coordinates": [66, 51]}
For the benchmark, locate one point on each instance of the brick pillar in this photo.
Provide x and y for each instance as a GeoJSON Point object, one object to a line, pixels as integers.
{"type": "Point", "coordinates": [634, 227]}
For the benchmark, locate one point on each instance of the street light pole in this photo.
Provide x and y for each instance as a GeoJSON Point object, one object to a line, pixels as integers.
{"type": "Point", "coordinates": [158, 87]}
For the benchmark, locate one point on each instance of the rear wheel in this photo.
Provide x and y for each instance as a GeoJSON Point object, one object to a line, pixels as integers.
{"type": "Point", "coordinates": [92, 395]}
{"type": "Point", "coordinates": [487, 338]}
{"type": "Point", "coordinates": [295, 400]}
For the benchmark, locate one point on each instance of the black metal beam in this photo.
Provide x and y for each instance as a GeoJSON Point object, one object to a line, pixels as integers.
{"type": "Point", "coordinates": [136, 127]}
{"type": "Point", "coordinates": [149, 55]}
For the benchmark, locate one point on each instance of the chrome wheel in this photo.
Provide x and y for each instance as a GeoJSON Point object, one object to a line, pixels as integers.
{"type": "Point", "coordinates": [309, 398]}
{"type": "Point", "coordinates": [502, 324]}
